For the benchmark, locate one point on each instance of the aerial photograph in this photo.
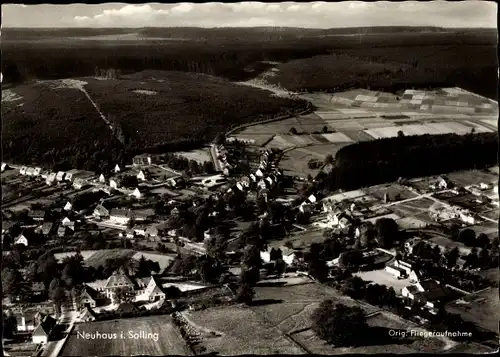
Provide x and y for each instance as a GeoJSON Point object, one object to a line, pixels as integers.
{"type": "Point", "coordinates": [250, 178]}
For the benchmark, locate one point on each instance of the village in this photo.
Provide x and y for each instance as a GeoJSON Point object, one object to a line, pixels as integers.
{"type": "Point", "coordinates": [146, 240]}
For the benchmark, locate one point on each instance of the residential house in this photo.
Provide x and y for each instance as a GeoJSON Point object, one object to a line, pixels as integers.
{"type": "Point", "coordinates": [399, 268]}
{"type": "Point", "coordinates": [152, 231]}
{"type": "Point", "coordinates": [42, 332]}
{"type": "Point", "coordinates": [79, 183]}
{"type": "Point", "coordinates": [288, 255]}
{"type": "Point", "coordinates": [115, 183]}
{"type": "Point", "coordinates": [154, 291]}
{"type": "Point", "coordinates": [140, 230]}
{"type": "Point", "coordinates": [262, 185]}
{"type": "Point", "coordinates": [338, 218]}
{"type": "Point", "coordinates": [30, 171]}
{"type": "Point", "coordinates": [252, 177]}
{"type": "Point", "coordinates": [116, 169]}
{"type": "Point", "coordinates": [23, 169]}
{"type": "Point", "coordinates": [142, 160]}
{"type": "Point", "coordinates": [68, 206]}
{"type": "Point", "coordinates": [312, 199]}
{"type": "Point", "coordinates": [4, 166]}
{"type": "Point", "coordinates": [51, 178]}
{"type": "Point", "coordinates": [176, 182]}
{"type": "Point", "coordinates": [444, 183]}
{"type": "Point", "coordinates": [101, 212]}
{"type": "Point", "coordinates": [118, 280]}
{"type": "Point", "coordinates": [47, 228]}
{"type": "Point", "coordinates": [411, 243]}
{"type": "Point", "coordinates": [102, 179]}
{"type": "Point", "coordinates": [21, 239]}
{"type": "Point", "coordinates": [69, 176]}
{"type": "Point", "coordinates": [87, 315]}
{"type": "Point", "coordinates": [259, 173]}
{"type": "Point", "coordinates": [63, 231]}
{"type": "Point", "coordinates": [137, 194]}
{"type": "Point", "coordinates": [141, 176]}
{"type": "Point", "coordinates": [66, 222]}
{"type": "Point", "coordinates": [306, 208]}
{"type": "Point", "coordinates": [37, 215]}
{"type": "Point", "coordinates": [24, 323]}
{"type": "Point", "coordinates": [60, 176]}
{"type": "Point", "coordinates": [140, 216]}
{"type": "Point", "coordinates": [120, 216]}
{"type": "Point", "coordinates": [88, 297]}
{"type": "Point", "coordinates": [428, 294]}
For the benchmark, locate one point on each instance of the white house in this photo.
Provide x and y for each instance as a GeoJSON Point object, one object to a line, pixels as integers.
{"type": "Point", "coordinates": [29, 171]}
{"type": "Point", "coordinates": [22, 171]}
{"type": "Point", "coordinates": [443, 183]}
{"type": "Point", "coordinates": [51, 178]}
{"type": "Point", "coordinates": [22, 325]}
{"type": "Point", "coordinates": [37, 171]}
{"type": "Point", "coordinates": [66, 222]}
{"type": "Point", "coordinates": [399, 269]}
{"type": "Point", "coordinates": [411, 243]}
{"type": "Point", "coordinates": [466, 217]}
{"type": "Point", "coordinates": [100, 211]}
{"type": "Point", "coordinates": [69, 176]}
{"type": "Point", "coordinates": [141, 176]}
{"type": "Point", "coordinates": [119, 216]}
{"type": "Point", "coordinates": [114, 183]}
{"type": "Point", "coordinates": [312, 199]}
{"type": "Point", "coordinates": [60, 176]}
{"type": "Point", "coordinates": [4, 166]}
{"type": "Point", "coordinates": [21, 239]}
{"type": "Point", "coordinates": [42, 332]}
{"type": "Point", "coordinates": [137, 194]}
{"type": "Point", "coordinates": [252, 177]}
{"type": "Point", "coordinates": [262, 184]}
{"type": "Point", "coordinates": [68, 206]}
{"type": "Point", "coordinates": [78, 183]}
{"type": "Point", "coordinates": [428, 293]}
{"type": "Point", "coordinates": [102, 179]}
{"type": "Point", "coordinates": [259, 173]}
{"type": "Point", "coordinates": [116, 169]}
{"type": "Point", "coordinates": [288, 256]}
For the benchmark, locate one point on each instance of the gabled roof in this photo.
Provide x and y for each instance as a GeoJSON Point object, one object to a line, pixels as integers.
{"type": "Point", "coordinates": [36, 214]}
{"type": "Point", "coordinates": [45, 327]}
{"type": "Point", "coordinates": [117, 280]}
{"type": "Point", "coordinates": [100, 209]}
{"type": "Point", "coordinates": [47, 227]}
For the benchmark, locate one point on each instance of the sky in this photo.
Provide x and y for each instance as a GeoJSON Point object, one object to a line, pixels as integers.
{"type": "Point", "coordinates": [252, 14]}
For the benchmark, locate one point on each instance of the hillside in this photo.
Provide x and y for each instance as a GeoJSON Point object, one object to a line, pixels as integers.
{"type": "Point", "coordinates": [151, 109]}
{"type": "Point", "coordinates": [391, 68]}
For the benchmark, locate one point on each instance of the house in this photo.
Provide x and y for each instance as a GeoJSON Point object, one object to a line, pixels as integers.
{"type": "Point", "coordinates": [140, 216]}
{"type": "Point", "coordinates": [118, 280]}
{"type": "Point", "coordinates": [116, 169]}
{"type": "Point", "coordinates": [252, 177]}
{"type": "Point", "coordinates": [153, 291]}
{"type": "Point", "coordinates": [37, 215]}
{"type": "Point", "coordinates": [66, 222]}
{"type": "Point", "coordinates": [47, 228]}
{"type": "Point", "coordinates": [427, 293]}
{"type": "Point", "coordinates": [88, 297]}
{"type": "Point", "coordinates": [22, 171]}
{"type": "Point", "coordinates": [79, 183]}
{"type": "Point", "coordinates": [114, 183]}
{"type": "Point", "coordinates": [21, 239]}
{"type": "Point", "coordinates": [69, 176]}
{"type": "Point", "coordinates": [60, 176]}
{"type": "Point", "coordinates": [142, 160]}
{"type": "Point", "coordinates": [68, 206]}
{"type": "Point", "coordinates": [396, 271]}
{"type": "Point", "coordinates": [137, 194]}
{"type": "Point", "coordinates": [87, 314]}
{"type": "Point", "coordinates": [338, 218]}
{"type": "Point", "coordinates": [141, 175]}
{"type": "Point", "coordinates": [101, 212]}
{"type": "Point", "coordinates": [306, 208]}
{"type": "Point", "coordinates": [29, 171]}
{"type": "Point", "coordinates": [51, 178]}
{"type": "Point", "coordinates": [411, 243]}
{"type": "Point", "coordinates": [120, 216]}
{"type": "Point", "coordinates": [174, 211]}
{"type": "Point", "coordinates": [312, 199]}
{"type": "Point", "coordinates": [140, 230]}
{"type": "Point", "coordinates": [102, 179]}
{"type": "Point", "coordinates": [42, 332]}
{"type": "Point", "coordinates": [259, 173]}
{"type": "Point", "coordinates": [152, 231]}
{"type": "Point", "coordinates": [444, 183]}
{"type": "Point", "coordinates": [4, 166]}
{"type": "Point", "coordinates": [37, 171]}
{"type": "Point", "coordinates": [176, 181]}
{"type": "Point", "coordinates": [24, 324]}
{"type": "Point", "coordinates": [262, 185]}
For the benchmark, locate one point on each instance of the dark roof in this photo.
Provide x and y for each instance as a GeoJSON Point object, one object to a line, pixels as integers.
{"type": "Point", "coordinates": [429, 285]}
{"type": "Point", "coordinates": [87, 311]}
{"type": "Point", "coordinates": [36, 214]}
{"type": "Point", "coordinates": [45, 327]}
{"type": "Point", "coordinates": [119, 213]}
{"type": "Point", "coordinates": [6, 225]}
{"type": "Point", "coordinates": [46, 227]}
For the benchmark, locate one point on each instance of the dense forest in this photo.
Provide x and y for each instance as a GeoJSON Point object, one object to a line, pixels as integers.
{"type": "Point", "coordinates": [313, 59]}
{"type": "Point", "coordinates": [385, 160]}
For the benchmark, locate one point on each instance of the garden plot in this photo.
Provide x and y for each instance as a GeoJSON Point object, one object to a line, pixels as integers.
{"type": "Point", "coordinates": [311, 122]}
{"type": "Point", "coordinates": [280, 142]}
{"type": "Point", "coordinates": [337, 138]}
{"type": "Point", "coordinates": [344, 125]}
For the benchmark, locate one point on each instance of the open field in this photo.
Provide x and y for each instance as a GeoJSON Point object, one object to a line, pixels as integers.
{"type": "Point", "coordinates": [163, 260]}
{"type": "Point", "coordinates": [242, 332]}
{"type": "Point", "coordinates": [384, 278]}
{"type": "Point", "coordinates": [200, 155]}
{"type": "Point", "coordinates": [394, 192]}
{"type": "Point", "coordinates": [482, 308]}
{"type": "Point", "coordinates": [169, 341]}
{"type": "Point", "coordinates": [419, 207]}
{"type": "Point", "coordinates": [100, 256]}
{"type": "Point", "coordinates": [474, 177]}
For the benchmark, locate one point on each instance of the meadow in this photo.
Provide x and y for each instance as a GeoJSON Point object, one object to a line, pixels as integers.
{"type": "Point", "coordinates": [169, 340]}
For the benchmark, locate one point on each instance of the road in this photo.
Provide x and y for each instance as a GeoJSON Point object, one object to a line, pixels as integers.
{"type": "Point", "coordinates": [53, 348]}
{"type": "Point", "coordinates": [215, 159]}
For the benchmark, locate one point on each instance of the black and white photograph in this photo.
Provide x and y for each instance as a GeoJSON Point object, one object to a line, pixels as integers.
{"type": "Point", "coordinates": [249, 178]}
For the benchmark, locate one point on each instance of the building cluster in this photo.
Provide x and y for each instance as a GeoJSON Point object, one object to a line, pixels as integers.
{"type": "Point", "coordinates": [440, 213]}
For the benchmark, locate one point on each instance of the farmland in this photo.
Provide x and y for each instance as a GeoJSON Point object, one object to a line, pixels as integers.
{"type": "Point", "coordinates": [169, 341]}
{"type": "Point", "coordinates": [185, 112]}
{"type": "Point", "coordinates": [481, 308]}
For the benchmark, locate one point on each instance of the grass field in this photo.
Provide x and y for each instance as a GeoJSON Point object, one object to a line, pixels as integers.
{"type": "Point", "coordinates": [482, 308]}
{"type": "Point", "coordinates": [243, 332]}
{"type": "Point", "coordinates": [169, 341]}
{"type": "Point", "coordinates": [466, 178]}
{"type": "Point", "coordinates": [392, 190]}
{"type": "Point", "coordinates": [200, 155]}
{"type": "Point", "coordinates": [100, 256]}
{"type": "Point", "coordinates": [163, 260]}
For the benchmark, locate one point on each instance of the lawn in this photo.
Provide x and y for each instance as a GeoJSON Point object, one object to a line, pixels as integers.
{"type": "Point", "coordinates": [393, 191]}
{"type": "Point", "coordinates": [168, 341]}
{"type": "Point", "coordinates": [241, 331]}
{"type": "Point", "coordinates": [482, 308]}
{"type": "Point", "coordinates": [474, 177]}
{"type": "Point", "coordinates": [163, 260]}
{"type": "Point", "coordinates": [100, 256]}
{"type": "Point", "coordinates": [384, 278]}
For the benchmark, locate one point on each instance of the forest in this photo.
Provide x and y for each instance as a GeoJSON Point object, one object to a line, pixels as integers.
{"type": "Point", "coordinates": [385, 160]}
{"type": "Point", "coordinates": [310, 59]}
